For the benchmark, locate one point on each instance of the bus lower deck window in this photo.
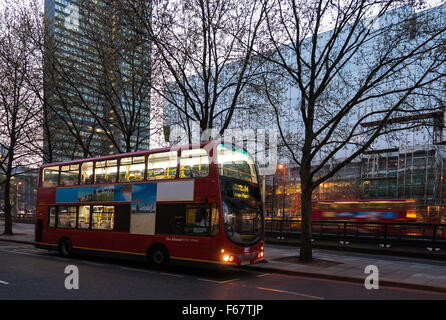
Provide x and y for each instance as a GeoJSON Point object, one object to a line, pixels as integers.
{"type": "Point", "coordinates": [102, 217]}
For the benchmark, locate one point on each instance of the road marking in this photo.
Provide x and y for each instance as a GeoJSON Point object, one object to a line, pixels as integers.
{"type": "Point", "coordinates": [4, 282]}
{"type": "Point", "coordinates": [219, 282]}
{"type": "Point", "coordinates": [93, 263]}
{"type": "Point", "coordinates": [172, 275]}
{"type": "Point", "coordinates": [11, 247]}
{"type": "Point", "coordinates": [139, 270]}
{"type": "Point", "coordinates": [61, 259]}
{"type": "Point", "coordinates": [263, 275]}
{"type": "Point", "coordinates": [290, 292]}
{"type": "Point", "coordinates": [208, 280]}
{"type": "Point", "coordinates": [36, 250]}
{"type": "Point", "coordinates": [227, 281]}
{"type": "Point", "coordinates": [24, 253]}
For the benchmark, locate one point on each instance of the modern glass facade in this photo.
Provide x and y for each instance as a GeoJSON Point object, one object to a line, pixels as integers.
{"type": "Point", "coordinates": [78, 81]}
{"type": "Point", "coordinates": [402, 164]}
{"type": "Point", "coordinates": [400, 173]}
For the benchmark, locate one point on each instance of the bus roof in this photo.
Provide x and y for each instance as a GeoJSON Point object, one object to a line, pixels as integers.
{"type": "Point", "coordinates": [139, 153]}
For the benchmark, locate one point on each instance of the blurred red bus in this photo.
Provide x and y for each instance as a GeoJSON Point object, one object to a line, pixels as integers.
{"type": "Point", "coordinates": [388, 210]}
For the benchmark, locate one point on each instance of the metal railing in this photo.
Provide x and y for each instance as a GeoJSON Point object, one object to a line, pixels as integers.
{"type": "Point", "coordinates": [384, 233]}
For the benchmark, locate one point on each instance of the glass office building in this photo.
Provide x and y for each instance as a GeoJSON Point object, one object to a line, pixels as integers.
{"type": "Point", "coordinates": [405, 164]}
{"type": "Point", "coordinates": [88, 103]}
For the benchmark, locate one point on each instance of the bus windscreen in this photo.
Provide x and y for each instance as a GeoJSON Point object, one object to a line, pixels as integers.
{"type": "Point", "coordinates": [235, 163]}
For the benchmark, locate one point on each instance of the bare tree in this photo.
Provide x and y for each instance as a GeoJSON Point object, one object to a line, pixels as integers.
{"type": "Point", "coordinates": [19, 106]}
{"type": "Point", "coordinates": [202, 57]}
{"type": "Point", "coordinates": [358, 70]}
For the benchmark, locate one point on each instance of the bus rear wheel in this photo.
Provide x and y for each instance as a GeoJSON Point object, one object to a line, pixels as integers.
{"type": "Point", "coordinates": [65, 248]}
{"type": "Point", "coordinates": [158, 257]}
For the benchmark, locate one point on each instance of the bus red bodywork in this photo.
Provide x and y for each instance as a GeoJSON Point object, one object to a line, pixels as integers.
{"type": "Point", "coordinates": [217, 248]}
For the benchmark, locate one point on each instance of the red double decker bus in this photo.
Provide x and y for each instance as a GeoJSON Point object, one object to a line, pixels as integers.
{"type": "Point", "coordinates": [200, 202]}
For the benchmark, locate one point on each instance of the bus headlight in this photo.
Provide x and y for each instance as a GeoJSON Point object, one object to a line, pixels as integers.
{"type": "Point", "coordinates": [228, 258]}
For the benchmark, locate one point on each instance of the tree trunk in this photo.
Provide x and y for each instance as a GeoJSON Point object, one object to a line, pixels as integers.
{"type": "Point", "coordinates": [8, 216]}
{"type": "Point", "coordinates": [7, 191]}
{"type": "Point", "coordinates": [306, 254]}
{"type": "Point", "coordinates": [306, 184]}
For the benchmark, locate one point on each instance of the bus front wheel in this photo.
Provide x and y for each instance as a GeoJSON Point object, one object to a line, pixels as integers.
{"type": "Point", "coordinates": [65, 247]}
{"type": "Point", "coordinates": [158, 256]}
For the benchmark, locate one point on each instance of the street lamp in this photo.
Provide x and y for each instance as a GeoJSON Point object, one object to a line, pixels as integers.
{"type": "Point", "coordinates": [17, 198]}
{"type": "Point", "coordinates": [282, 168]}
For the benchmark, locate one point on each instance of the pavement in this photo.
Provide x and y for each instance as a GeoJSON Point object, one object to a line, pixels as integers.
{"type": "Point", "coordinates": [23, 233]}
{"type": "Point", "coordinates": [393, 271]}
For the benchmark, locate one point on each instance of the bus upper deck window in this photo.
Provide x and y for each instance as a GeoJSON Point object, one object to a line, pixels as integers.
{"type": "Point", "coordinates": [132, 169]}
{"type": "Point", "coordinates": [69, 175]}
{"type": "Point", "coordinates": [235, 163]}
{"type": "Point", "coordinates": [194, 163]}
{"type": "Point", "coordinates": [105, 171]}
{"type": "Point", "coordinates": [87, 173]}
{"type": "Point", "coordinates": [50, 176]}
{"type": "Point", "coordinates": [162, 165]}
